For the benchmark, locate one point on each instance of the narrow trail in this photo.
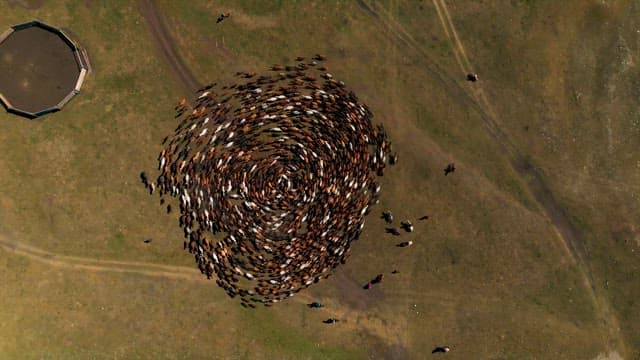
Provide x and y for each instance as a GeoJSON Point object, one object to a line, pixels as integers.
{"type": "Point", "coordinates": [571, 237]}
{"type": "Point", "coordinates": [169, 51]}
{"type": "Point", "coordinates": [168, 48]}
{"type": "Point", "coordinates": [166, 44]}
{"type": "Point", "coordinates": [476, 99]}
{"type": "Point", "coordinates": [95, 265]}
{"type": "Point", "coordinates": [191, 274]}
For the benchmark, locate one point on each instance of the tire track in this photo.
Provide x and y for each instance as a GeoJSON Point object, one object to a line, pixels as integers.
{"type": "Point", "coordinates": [186, 273]}
{"type": "Point", "coordinates": [95, 265]}
{"type": "Point", "coordinates": [447, 33]}
{"type": "Point", "coordinates": [571, 238]}
{"type": "Point", "coordinates": [461, 54]}
{"type": "Point", "coordinates": [450, 84]}
{"type": "Point", "coordinates": [167, 46]}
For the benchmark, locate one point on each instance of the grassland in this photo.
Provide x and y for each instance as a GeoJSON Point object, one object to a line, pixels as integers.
{"type": "Point", "coordinates": [490, 275]}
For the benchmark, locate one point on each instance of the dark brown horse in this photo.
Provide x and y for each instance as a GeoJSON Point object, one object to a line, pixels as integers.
{"type": "Point", "coordinates": [449, 169]}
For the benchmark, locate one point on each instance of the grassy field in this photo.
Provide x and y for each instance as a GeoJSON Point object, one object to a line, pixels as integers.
{"type": "Point", "coordinates": [489, 275]}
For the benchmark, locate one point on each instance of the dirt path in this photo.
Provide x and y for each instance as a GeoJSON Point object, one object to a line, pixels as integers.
{"type": "Point", "coordinates": [476, 99]}
{"type": "Point", "coordinates": [572, 238]}
{"type": "Point", "coordinates": [350, 288]}
{"type": "Point", "coordinates": [95, 265]}
{"type": "Point", "coordinates": [168, 48]}
{"type": "Point", "coordinates": [352, 297]}
{"type": "Point", "coordinates": [166, 44]}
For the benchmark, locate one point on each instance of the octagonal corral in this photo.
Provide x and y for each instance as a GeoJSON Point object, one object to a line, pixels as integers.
{"type": "Point", "coordinates": [41, 69]}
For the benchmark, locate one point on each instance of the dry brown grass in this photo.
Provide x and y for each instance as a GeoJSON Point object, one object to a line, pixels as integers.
{"type": "Point", "coordinates": [488, 275]}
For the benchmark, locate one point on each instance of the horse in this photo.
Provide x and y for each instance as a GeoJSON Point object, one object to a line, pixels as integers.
{"type": "Point", "coordinates": [449, 169]}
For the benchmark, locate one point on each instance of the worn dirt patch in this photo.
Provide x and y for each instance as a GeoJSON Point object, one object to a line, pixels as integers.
{"type": "Point", "coordinates": [609, 356]}
{"type": "Point", "coordinates": [351, 292]}
{"type": "Point", "coordinates": [37, 69]}
{"type": "Point", "coordinates": [166, 44]}
{"type": "Point", "coordinates": [252, 22]}
{"type": "Point", "coordinates": [246, 21]}
{"type": "Point", "coordinates": [27, 4]}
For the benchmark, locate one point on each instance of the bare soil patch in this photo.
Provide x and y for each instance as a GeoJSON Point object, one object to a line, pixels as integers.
{"type": "Point", "coordinates": [27, 4]}
{"type": "Point", "coordinates": [37, 69]}
{"type": "Point", "coordinates": [167, 46]}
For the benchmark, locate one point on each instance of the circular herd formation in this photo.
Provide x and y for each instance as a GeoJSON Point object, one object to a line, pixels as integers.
{"type": "Point", "coordinates": [275, 175]}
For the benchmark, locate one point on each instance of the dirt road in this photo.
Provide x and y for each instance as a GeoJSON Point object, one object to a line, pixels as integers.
{"type": "Point", "coordinates": [167, 47]}
{"type": "Point", "coordinates": [88, 264]}
{"type": "Point", "coordinates": [476, 99]}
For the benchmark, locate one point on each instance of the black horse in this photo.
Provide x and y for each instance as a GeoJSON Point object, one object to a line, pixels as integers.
{"type": "Point", "coordinates": [387, 216]}
{"type": "Point", "coordinates": [144, 179]}
{"type": "Point", "coordinates": [393, 231]}
{"type": "Point", "coordinates": [441, 349]}
{"type": "Point", "coordinates": [449, 169]}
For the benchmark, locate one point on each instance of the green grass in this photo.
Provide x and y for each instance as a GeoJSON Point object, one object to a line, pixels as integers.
{"type": "Point", "coordinates": [292, 344]}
